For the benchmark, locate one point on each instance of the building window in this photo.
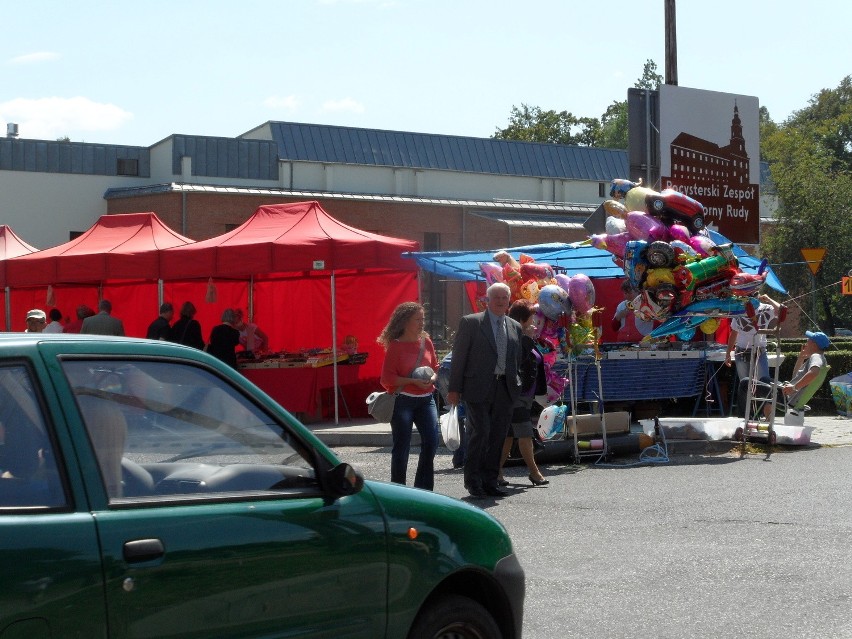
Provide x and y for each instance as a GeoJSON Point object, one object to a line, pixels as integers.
{"type": "Point", "coordinates": [126, 166]}
{"type": "Point", "coordinates": [601, 189]}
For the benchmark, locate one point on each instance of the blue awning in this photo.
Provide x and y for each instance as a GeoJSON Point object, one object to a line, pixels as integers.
{"type": "Point", "coordinates": [573, 259]}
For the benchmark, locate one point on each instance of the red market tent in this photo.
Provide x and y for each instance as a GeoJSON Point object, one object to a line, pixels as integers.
{"type": "Point", "coordinates": [116, 259]}
{"type": "Point", "coordinates": [312, 277]}
{"type": "Point", "coordinates": [10, 246]}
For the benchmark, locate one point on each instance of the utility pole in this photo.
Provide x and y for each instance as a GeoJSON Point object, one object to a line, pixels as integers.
{"type": "Point", "coordinates": [671, 42]}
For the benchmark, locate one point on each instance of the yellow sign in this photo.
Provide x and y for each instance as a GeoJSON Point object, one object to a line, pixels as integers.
{"type": "Point", "coordinates": [814, 257]}
{"type": "Point", "coordinates": [846, 285]}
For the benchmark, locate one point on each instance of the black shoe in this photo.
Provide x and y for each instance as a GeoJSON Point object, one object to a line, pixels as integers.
{"type": "Point", "coordinates": [495, 492]}
{"type": "Point", "coordinates": [539, 482]}
{"type": "Point", "coordinates": [502, 482]}
{"type": "Point", "coordinates": [476, 493]}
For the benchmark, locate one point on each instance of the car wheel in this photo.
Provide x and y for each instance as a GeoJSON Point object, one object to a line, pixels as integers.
{"type": "Point", "coordinates": [454, 617]}
{"type": "Point", "coordinates": [660, 254]}
{"type": "Point", "coordinates": [697, 223]}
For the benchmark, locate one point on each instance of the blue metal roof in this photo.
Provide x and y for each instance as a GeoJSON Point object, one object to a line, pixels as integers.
{"type": "Point", "coordinates": [346, 145]}
{"type": "Point", "coordinates": [46, 156]}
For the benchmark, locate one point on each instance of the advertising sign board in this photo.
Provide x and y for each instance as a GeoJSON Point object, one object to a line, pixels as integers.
{"type": "Point", "coordinates": [710, 151]}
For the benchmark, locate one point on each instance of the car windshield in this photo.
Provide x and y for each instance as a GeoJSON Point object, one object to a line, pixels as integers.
{"type": "Point", "coordinates": [167, 417]}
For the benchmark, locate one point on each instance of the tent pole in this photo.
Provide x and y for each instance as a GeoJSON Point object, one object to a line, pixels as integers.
{"type": "Point", "coordinates": [159, 294]}
{"type": "Point", "coordinates": [334, 347]}
{"type": "Point", "coordinates": [251, 300]}
{"type": "Point", "coordinates": [8, 310]}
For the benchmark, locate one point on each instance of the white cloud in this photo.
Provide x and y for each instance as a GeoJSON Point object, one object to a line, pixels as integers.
{"type": "Point", "coordinates": [345, 104]}
{"type": "Point", "coordinates": [287, 102]}
{"type": "Point", "coordinates": [38, 56]}
{"type": "Point", "coordinates": [50, 118]}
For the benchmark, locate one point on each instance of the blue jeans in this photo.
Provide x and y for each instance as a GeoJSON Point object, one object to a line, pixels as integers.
{"type": "Point", "coordinates": [423, 414]}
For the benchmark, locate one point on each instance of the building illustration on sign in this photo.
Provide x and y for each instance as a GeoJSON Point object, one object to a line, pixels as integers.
{"type": "Point", "coordinates": [720, 172]}
{"type": "Point", "coordinates": [705, 164]}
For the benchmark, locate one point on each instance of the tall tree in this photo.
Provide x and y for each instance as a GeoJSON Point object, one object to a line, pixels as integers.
{"type": "Point", "coordinates": [532, 124]}
{"type": "Point", "coordinates": [810, 160]}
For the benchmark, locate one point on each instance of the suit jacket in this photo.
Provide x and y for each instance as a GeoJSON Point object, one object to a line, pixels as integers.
{"type": "Point", "coordinates": [475, 358]}
{"type": "Point", "coordinates": [102, 324]}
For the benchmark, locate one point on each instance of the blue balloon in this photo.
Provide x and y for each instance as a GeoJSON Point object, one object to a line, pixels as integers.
{"type": "Point", "coordinates": [552, 301]}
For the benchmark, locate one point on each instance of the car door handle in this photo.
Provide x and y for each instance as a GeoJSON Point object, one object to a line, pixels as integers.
{"type": "Point", "coordinates": [143, 550]}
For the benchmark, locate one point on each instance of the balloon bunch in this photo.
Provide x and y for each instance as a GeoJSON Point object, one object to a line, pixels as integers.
{"type": "Point", "coordinates": [564, 308]}
{"type": "Point", "coordinates": [660, 241]}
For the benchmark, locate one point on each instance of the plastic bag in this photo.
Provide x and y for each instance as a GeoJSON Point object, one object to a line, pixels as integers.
{"type": "Point", "coordinates": [450, 428]}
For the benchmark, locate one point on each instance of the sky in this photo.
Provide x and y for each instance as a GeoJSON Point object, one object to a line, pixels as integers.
{"type": "Point", "coordinates": [135, 73]}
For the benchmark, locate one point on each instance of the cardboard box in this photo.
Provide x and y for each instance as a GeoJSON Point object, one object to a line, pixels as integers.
{"type": "Point", "coordinates": [616, 422]}
{"type": "Point", "coordinates": [622, 355]}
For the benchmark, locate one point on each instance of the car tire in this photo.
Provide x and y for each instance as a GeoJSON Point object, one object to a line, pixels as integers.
{"type": "Point", "coordinates": [696, 224]}
{"type": "Point", "coordinates": [660, 254]}
{"type": "Point", "coordinates": [454, 617]}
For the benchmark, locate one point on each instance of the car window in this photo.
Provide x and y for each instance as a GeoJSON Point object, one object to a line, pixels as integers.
{"type": "Point", "coordinates": [165, 429]}
{"type": "Point", "coordinates": [29, 476]}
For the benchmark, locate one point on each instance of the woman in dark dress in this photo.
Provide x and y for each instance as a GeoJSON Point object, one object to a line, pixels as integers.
{"type": "Point", "coordinates": [187, 330]}
{"type": "Point", "coordinates": [224, 339]}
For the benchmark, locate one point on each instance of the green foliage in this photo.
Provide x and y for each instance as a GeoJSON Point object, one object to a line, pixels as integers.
{"type": "Point", "coordinates": [810, 158]}
{"type": "Point", "coordinates": [532, 124]}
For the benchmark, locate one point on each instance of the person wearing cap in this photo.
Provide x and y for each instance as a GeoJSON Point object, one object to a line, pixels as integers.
{"type": "Point", "coordinates": [808, 365]}
{"type": "Point", "coordinates": [36, 319]}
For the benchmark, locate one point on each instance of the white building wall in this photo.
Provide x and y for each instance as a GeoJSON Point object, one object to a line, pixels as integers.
{"type": "Point", "coordinates": [44, 208]}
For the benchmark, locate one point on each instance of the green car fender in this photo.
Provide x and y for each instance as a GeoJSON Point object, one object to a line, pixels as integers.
{"type": "Point", "coordinates": [439, 545]}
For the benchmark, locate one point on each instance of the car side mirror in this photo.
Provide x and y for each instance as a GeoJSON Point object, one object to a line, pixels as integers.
{"type": "Point", "coordinates": [344, 480]}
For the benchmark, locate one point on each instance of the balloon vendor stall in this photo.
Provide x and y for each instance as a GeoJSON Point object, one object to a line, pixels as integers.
{"type": "Point", "coordinates": [687, 279]}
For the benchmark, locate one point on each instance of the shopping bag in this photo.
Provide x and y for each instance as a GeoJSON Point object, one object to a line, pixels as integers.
{"type": "Point", "coordinates": [450, 428]}
{"type": "Point", "coordinates": [380, 406]}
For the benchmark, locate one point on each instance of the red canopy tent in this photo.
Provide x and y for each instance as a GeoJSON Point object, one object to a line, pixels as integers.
{"type": "Point", "coordinates": [10, 246]}
{"type": "Point", "coordinates": [116, 259]}
{"type": "Point", "coordinates": [314, 280]}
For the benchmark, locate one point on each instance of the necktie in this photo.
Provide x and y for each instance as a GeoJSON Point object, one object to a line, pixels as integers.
{"type": "Point", "coordinates": [501, 345]}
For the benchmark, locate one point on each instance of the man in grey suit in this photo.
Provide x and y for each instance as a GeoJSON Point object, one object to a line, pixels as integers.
{"type": "Point", "coordinates": [484, 374]}
{"type": "Point", "coordinates": [103, 323]}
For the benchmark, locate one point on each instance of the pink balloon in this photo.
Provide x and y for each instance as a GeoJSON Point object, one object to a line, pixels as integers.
{"type": "Point", "coordinates": [563, 280]}
{"type": "Point", "coordinates": [642, 226]}
{"type": "Point", "coordinates": [679, 232]}
{"type": "Point", "coordinates": [581, 293]}
{"type": "Point", "coordinates": [702, 244]}
{"type": "Point", "coordinates": [615, 244]}
{"type": "Point", "coordinates": [493, 272]}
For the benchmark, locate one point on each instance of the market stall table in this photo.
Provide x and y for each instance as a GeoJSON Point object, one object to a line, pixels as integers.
{"type": "Point", "coordinates": [298, 389]}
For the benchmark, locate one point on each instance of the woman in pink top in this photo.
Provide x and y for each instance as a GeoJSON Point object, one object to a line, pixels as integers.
{"type": "Point", "coordinates": [412, 377]}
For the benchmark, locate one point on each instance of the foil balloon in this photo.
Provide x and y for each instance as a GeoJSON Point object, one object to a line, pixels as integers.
{"type": "Point", "coordinates": [538, 322]}
{"type": "Point", "coordinates": [679, 232]}
{"type": "Point", "coordinates": [563, 280]}
{"type": "Point", "coordinates": [656, 276]}
{"type": "Point", "coordinates": [615, 244]}
{"type": "Point", "coordinates": [642, 226]}
{"type": "Point", "coordinates": [523, 258]}
{"type": "Point", "coordinates": [582, 293]}
{"type": "Point", "coordinates": [709, 326]}
{"type": "Point", "coordinates": [635, 198]}
{"type": "Point", "coordinates": [503, 258]}
{"type": "Point", "coordinates": [530, 291]}
{"type": "Point", "coordinates": [682, 248]}
{"type": "Point", "coordinates": [702, 244]}
{"type": "Point", "coordinates": [620, 187]}
{"type": "Point", "coordinates": [551, 299]}
{"type": "Point", "coordinates": [615, 225]}
{"type": "Point", "coordinates": [536, 271]}
{"type": "Point", "coordinates": [686, 334]}
{"type": "Point", "coordinates": [615, 209]}
{"type": "Point", "coordinates": [493, 272]}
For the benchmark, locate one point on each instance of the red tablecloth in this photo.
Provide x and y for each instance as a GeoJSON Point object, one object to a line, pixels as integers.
{"type": "Point", "coordinates": [298, 389]}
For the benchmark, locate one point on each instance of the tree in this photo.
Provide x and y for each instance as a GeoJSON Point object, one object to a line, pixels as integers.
{"type": "Point", "coordinates": [532, 124]}
{"type": "Point", "coordinates": [810, 161]}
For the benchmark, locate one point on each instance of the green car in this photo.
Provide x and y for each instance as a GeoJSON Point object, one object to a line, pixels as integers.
{"type": "Point", "coordinates": [148, 490]}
